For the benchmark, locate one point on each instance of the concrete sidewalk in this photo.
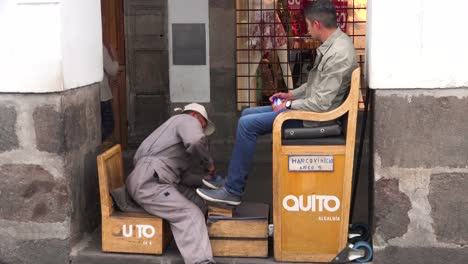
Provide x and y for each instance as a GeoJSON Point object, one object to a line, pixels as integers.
{"type": "Point", "coordinates": [88, 251]}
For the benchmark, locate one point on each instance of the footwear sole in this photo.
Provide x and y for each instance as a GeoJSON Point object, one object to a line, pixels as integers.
{"type": "Point", "coordinates": [206, 197]}
{"type": "Point", "coordinates": [209, 185]}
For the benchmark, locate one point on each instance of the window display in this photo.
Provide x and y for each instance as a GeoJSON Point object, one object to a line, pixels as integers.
{"type": "Point", "coordinates": [273, 50]}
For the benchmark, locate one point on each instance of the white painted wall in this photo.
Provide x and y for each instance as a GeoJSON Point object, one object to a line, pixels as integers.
{"type": "Point", "coordinates": [49, 46]}
{"type": "Point", "coordinates": [189, 83]}
{"type": "Point", "coordinates": [81, 42]}
{"type": "Point", "coordinates": [417, 44]}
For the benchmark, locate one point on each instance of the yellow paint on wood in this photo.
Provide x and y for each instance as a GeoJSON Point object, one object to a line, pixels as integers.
{"type": "Point", "coordinates": [239, 248]}
{"type": "Point", "coordinates": [239, 228]}
{"type": "Point", "coordinates": [308, 224]}
{"type": "Point", "coordinates": [122, 231]}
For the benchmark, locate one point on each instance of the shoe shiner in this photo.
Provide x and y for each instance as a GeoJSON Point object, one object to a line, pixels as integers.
{"type": "Point", "coordinates": [164, 166]}
{"type": "Point", "coordinates": [326, 88]}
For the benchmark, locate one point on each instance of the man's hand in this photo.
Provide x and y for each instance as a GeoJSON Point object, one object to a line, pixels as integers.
{"type": "Point", "coordinates": [283, 96]}
{"type": "Point", "coordinates": [279, 107]}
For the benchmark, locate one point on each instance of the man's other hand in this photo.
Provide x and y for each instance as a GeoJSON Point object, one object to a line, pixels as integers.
{"type": "Point", "coordinates": [282, 96]}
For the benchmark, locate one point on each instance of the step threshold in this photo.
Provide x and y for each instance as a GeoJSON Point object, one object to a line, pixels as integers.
{"type": "Point", "coordinates": [88, 251]}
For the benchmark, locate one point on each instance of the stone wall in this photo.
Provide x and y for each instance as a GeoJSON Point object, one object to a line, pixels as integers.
{"type": "Point", "coordinates": [421, 176]}
{"type": "Point", "coordinates": [49, 191]}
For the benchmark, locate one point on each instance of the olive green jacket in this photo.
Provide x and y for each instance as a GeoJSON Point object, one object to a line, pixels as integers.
{"type": "Point", "coordinates": [329, 80]}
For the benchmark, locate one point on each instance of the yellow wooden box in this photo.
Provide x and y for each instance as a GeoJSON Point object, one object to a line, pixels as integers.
{"type": "Point", "coordinates": [123, 231]}
{"type": "Point", "coordinates": [243, 235]}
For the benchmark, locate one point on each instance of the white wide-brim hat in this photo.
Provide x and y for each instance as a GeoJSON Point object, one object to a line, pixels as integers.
{"type": "Point", "coordinates": [210, 127]}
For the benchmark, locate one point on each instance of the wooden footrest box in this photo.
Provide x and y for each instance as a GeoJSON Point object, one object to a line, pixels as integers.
{"type": "Point", "coordinates": [135, 233]}
{"type": "Point", "coordinates": [129, 232]}
{"type": "Point", "coordinates": [245, 234]}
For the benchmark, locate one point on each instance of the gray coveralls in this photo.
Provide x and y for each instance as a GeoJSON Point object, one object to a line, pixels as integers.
{"type": "Point", "coordinates": [162, 163]}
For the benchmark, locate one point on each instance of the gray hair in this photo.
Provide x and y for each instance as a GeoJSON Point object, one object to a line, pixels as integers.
{"type": "Point", "coordinates": [323, 11]}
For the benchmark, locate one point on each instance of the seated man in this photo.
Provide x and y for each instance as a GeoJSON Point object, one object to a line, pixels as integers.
{"type": "Point", "coordinates": [327, 85]}
{"type": "Point", "coordinates": [162, 163]}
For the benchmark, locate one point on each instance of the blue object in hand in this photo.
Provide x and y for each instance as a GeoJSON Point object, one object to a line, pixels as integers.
{"type": "Point", "coordinates": [277, 101]}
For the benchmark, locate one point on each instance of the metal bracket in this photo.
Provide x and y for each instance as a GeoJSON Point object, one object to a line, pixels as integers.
{"type": "Point", "coordinates": [348, 254]}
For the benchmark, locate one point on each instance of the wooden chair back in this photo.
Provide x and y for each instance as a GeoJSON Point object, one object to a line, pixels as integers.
{"type": "Point", "coordinates": [111, 176]}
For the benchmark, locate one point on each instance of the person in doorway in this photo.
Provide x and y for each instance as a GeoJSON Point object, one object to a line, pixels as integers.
{"type": "Point", "coordinates": [111, 68]}
{"type": "Point", "coordinates": [327, 85]}
{"type": "Point", "coordinates": [164, 169]}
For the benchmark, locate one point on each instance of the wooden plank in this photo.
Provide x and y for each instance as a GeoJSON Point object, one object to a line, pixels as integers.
{"type": "Point", "coordinates": [300, 229]}
{"type": "Point", "coordinates": [303, 150]}
{"type": "Point", "coordinates": [239, 228]}
{"type": "Point", "coordinates": [249, 220]}
{"type": "Point", "coordinates": [239, 248]}
{"type": "Point", "coordinates": [299, 257]}
{"type": "Point", "coordinates": [110, 173]}
{"type": "Point", "coordinates": [214, 210]}
{"type": "Point", "coordinates": [120, 214]}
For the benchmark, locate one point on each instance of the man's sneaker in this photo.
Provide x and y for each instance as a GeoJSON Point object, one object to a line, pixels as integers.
{"type": "Point", "coordinates": [219, 195]}
{"type": "Point", "coordinates": [215, 182]}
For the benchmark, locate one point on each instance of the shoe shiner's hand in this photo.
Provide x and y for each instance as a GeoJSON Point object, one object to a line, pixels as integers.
{"type": "Point", "coordinates": [212, 170]}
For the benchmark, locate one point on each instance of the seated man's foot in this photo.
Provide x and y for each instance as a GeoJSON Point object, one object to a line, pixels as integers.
{"type": "Point", "coordinates": [219, 195]}
{"type": "Point", "coordinates": [216, 181]}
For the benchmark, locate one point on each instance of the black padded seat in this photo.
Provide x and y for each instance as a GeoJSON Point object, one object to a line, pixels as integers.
{"type": "Point", "coordinates": [331, 130]}
{"type": "Point", "coordinates": [335, 141]}
{"type": "Point", "coordinates": [331, 134]}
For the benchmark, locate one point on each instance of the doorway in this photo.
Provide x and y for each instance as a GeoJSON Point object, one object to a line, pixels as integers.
{"type": "Point", "coordinates": [137, 31]}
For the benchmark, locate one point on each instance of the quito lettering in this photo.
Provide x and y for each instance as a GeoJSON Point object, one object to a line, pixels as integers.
{"type": "Point", "coordinates": [314, 203]}
{"type": "Point", "coordinates": [146, 231]}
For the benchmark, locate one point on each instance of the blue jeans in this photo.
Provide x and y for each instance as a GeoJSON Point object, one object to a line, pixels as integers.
{"type": "Point", "coordinates": [253, 122]}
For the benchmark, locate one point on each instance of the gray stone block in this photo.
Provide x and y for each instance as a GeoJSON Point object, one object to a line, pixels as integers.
{"type": "Point", "coordinates": [81, 114]}
{"type": "Point", "coordinates": [29, 193]}
{"type": "Point", "coordinates": [153, 107]}
{"type": "Point", "coordinates": [223, 91]}
{"type": "Point", "coordinates": [227, 4]}
{"type": "Point", "coordinates": [449, 207]}
{"type": "Point", "coordinates": [76, 133]}
{"type": "Point", "coordinates": [8, 137]}
{"type": "Point", "coordinates": [398, 255]}
{"type": "Point", "coordinates": [226, 124]}
{"type": "Point", "coordinates": [48, 125]}
{"type": "Point", "coordinates": [392, 206]}
{"type": "Point", "coordinates": [82, 136]}
{"type": "Point", "coordinates": [414, 131]}
{"type": "Point", "coordinates": [222, 34]}
{"type": "Point", "coordinates": [50, 251]}
{"type": "Point", "coordinates": [85, 200]}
